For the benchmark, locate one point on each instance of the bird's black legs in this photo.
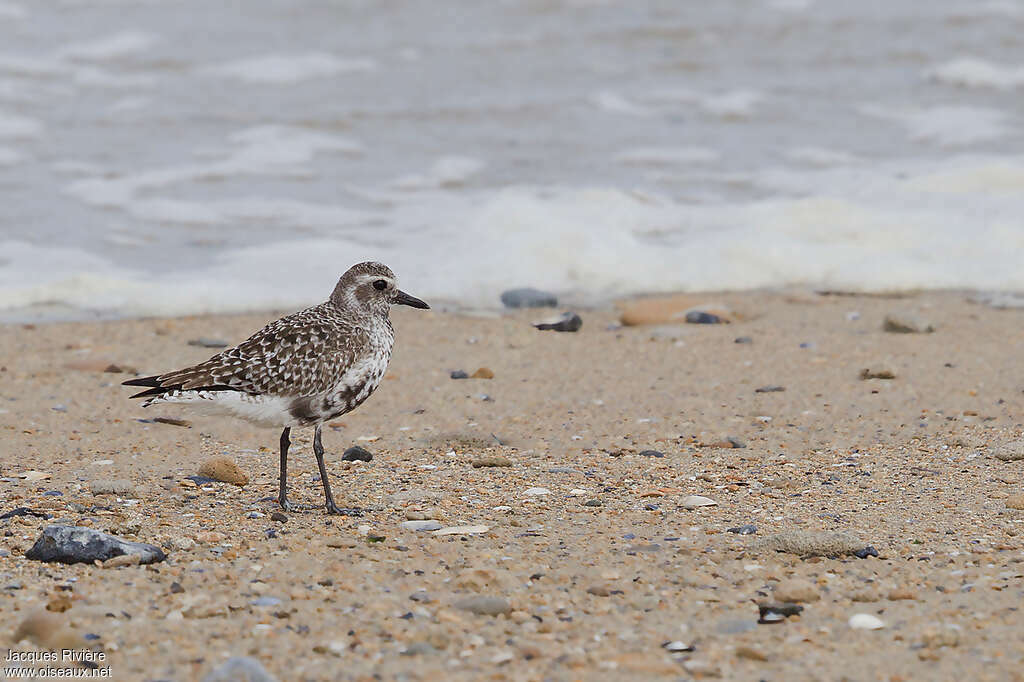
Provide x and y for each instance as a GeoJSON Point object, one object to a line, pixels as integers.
{"type": "Point", "coordinates": [318, 450]}
{"type": "Point", "coordinates": [282, 497]}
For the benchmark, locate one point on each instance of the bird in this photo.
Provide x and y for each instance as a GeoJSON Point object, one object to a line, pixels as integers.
{"type": "Point", "coordinates": [302, 370]}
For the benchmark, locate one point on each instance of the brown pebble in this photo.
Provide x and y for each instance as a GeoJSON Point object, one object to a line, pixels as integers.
{"type": "Point", "coordinates": [491, 461]}
{"type": "Point", "coordinates": [1015, 502]}
{"type": "Point", "coordinates": [599, 590]}
{"type": "Point", "coordinates": [59, 602]}
{"type": "Point", "coordinates": [902, 593]}
{"type": "Point", "coordinates": [749, 652]}
{"type": "Point", "coordinates": [173, 421]}
{"type": "Point", "coordinates": [223, 469]}
{"type": "Point", "coordinates": [122, 560]}
{"type": "Point", "coordinates": [482, 373]}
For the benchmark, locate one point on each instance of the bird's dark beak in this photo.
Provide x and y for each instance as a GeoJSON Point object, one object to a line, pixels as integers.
{"type": "Point", "coordinates": [402, 298]}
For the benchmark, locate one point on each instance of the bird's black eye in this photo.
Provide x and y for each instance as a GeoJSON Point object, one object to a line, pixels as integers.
{"type": "Point", "coordinates": [380, 285]}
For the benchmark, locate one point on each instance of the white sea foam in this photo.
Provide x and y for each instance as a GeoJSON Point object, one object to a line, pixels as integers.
{"type": "Point", "coordinates": [947, 126]}
{"type": "Point", "coordinates": [820, 157]}
{"type": "Point", "coordinates": [972, 72]}
{"type": "Point", "coordinates": [857, 228]}
{"type": "Point", "coordinates": [281, 69]}
{"type": "Point", "coordinates": [667, 156]}
{"type": "Point", "coordinates": [731, 104]}
{"type": "Point", "coordinates": [617, 104]}
{"type": "Point", "coordinates": [448, 171]}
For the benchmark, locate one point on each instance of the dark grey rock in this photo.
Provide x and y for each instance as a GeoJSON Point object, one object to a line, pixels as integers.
{"type": "Point", "coordinates": [239, 669]}
{"type": "Point", "coordinates": [651, 453]}
{"type": "Point", "coordinates": [528, 298]}
{"type": "Point", "coordinates": [74, 544]}
{"type": "Point", "coordinates": [483, 605]}
{"type": "Point", "coordinates": [459, 374]}
{"type": "Point", "coordinates": [206, 342]}
{"type": "Point", "coordinates": [749, 529]}
{"type": "Point", "coordinates": [701, 317]}
{"type": "Point", "coordinates": [769, 614]}
{"type": "Point", "coordinates": [743, 339]}
{"type": "Point", "coordinates": [24, 511]}
{"type": "Point", "coordinates": [563, 470]}
{"type": "Point", "coordinates": [770, 389]}
{"type": "Point", "coordinates": [593, 503]}
{"type": "Point", "coordinates": [866, 552]}
{"type": "Point", "coordinates": [279, 517]}
{"type": "Point", "coordinates": [568, 322]}
{"type": "Point", "coordinates": [357, 453]}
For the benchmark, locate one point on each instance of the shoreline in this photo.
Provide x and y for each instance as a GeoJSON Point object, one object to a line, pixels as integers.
{"type": "Point", "coordinates": [594, 549]}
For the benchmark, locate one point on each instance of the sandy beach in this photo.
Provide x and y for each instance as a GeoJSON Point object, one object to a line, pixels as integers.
{"type": "Point", "coordinates": [583, 544]}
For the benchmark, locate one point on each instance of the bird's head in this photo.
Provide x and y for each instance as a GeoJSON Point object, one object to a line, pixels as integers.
{"type": "Point", "coordinates": [371, 288]}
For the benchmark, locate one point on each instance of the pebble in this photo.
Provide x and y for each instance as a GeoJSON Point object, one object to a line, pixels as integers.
{"type": "Point", "coordinates": [483, 605]}
{"type": "Point", "coordinates": [462, 530]}
{"type": "Point", "coordinates": [75, 544]}
{"type": "Point", "coordinates": [749, 529]}
{"type": "Point", "coordinates": [677, 646]}
{"type": "Point", "coordinates": [935, 637]}
{"type": "Point", "coordinates": [876, 373]}
{"type": "Point", "coordinates": [265, 601]}
{"type": "Point", "coordinates": [459, 374]}
{"type": "Point", "coordinates": [769, 614]}
{"type": "Point", "coordinates": [655, 310]}
{"type": "Point", "coordinates": [811, 543]}
{"type": "Point", "coordinates": [537, 491]}
{"type": "Point", "coordinates": [279, 517]}
{"type": "Point", "coordinates": [482, 373]}
{"type": "Point", "coordinates": [651, 453]}
{"type": "Point", "coordinates": [770, 389]}
{"type": "Point", "coordinates": [593, 503]}
{"type": "Point", "coordinates": [743, 339]}
{"type": "Point", "coordinates": [421, 525]}
{"type": "Point", "coordinates": [206, 342]}
{"type": "Point", "coordinates": [566, 322]}
{"type": "Point", "coordinates": [865, 621]}
{"type": "Point", "coordinates": [902, 594]}
{"type": "Point", "coordinates": [1010, 452]}
{"type": "Point", "coordinates": [796, 590]}
{"type": "Point", "coordinates": [701, 317]}
{"type": "Point", "coordinates": [599, 590]}
{"type": "Point", "coordinates": [223, 469]}
{"type": "Point", "coordinates": [907, 323]}
{"type": "Point", "coordinates": [528, 297]}
{"type": "Point", "coordinates": [239, 669]}
{"type": "Point", "coordinates": [1015, 502]}
{"type": "Point", "coordinates": [865, 552]}
{"type": "Point", "coordinates": [491, 461]}
{"type": "Point", "coordinates": [751, 653]}
{"type": "Point", "coordinates": [173, 421]}
{"type": "Point", "coordinates": [357, 454]}
{"type": "Point", "coordinates": [117, 486]}
{"type": "Point", "coordinates": [122, 560]}
{"type": "Point", "coordinates": [695, 501]}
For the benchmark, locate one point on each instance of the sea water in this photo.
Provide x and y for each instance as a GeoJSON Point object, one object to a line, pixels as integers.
{"type": "Point", "coordinates": [182, 156]}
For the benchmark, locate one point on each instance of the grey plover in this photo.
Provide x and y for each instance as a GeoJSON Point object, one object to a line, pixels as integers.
{"type": "Point", "coordinates": [302, 370]}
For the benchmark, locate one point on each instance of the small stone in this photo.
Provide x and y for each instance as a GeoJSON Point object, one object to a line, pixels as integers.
{"type": "Point", "coordinates": [907, 323]}
{"type": "Point", "coordinates": [865, 552]}
{"type": "Point", "coordinates": [701, 317]}
{"type": "Point", "coordinates": [1009, 452]}
{"type": "Point", "coordinates": [421, 596]}
{"type": "Point", "coordinates": [743, 339]}
{"type": "Point", "coordinates": [265, 601]}
{"type": "Point", "coordinates": [357, 454]}
{"type": "Point", "coordinates": [223, 469]}
{"type": "Point", "coordinates": [599, 590]}
{"type": "Point", "coordinates": [118, 486]}
{"type": "Point", "coordinates": [421, 525]}
{"type": "Point", "coordinates": [695, 501]}
{"type": "Point", "coordinates": [206, 342]}
{"type": "Point", "coordinates": [482, 373]}
{"type": "Point", "coordinates": [180, 542]}
{"type": "Point", "coordinates": [865, 621]}
{"type": "Point", "coordinates": [749, 529]}
{"type": "Point", "coordinates": [528, 298]}
{"type": "Point", "coordinates": [796, 590]}
{"type": "Point", "coordinates": [770, 389]}
{"type": "Point", "coordinates": [769, 614]}
{"type": "Point", "coordinates": [122, 560]}
{"type": "Point", "coordinates": [176, 588]}
{"type": "Point", "coordinates": [651, 453]}
{"type": "Point", "coordinates": [1015, 502]}
{"type": "Point", "coordinates": [566, 322]}
{"type": "Point", "coordinates": [462, 530]}
{"type": "Point", "coordinates": [534, 492]}
{"type": "Point", "coordinates": [677, 646]}
{"type": "Point", "coordinates": [902, 594]}
{"type": "Point", "coordinates": [751, 653]}
{"type": "Point", "coordinates": [173, 421]}
{"type": "Point", "coordinates": [279, 517]}
{"type": "Point", "coordinates": [239, 669]}
{"type": "Point", "coordinates": [593, 503]}
{"type": "Point", "coordinates": [24, 511]}
{"type": "Point", "coordinates": [491, 461]}
{"type": "Point", "coordinates": [459, 374]}
{"type": "Point", "coordinates": [935, 637]}
{"type": "Point", "coordinates": [75, 544]}
{"type": "Point", "coordinates": [483, 605]}
{"type": "Point", "coordinates": [811, 543]}
{"type": "Point", "coordinates": [876, 373]}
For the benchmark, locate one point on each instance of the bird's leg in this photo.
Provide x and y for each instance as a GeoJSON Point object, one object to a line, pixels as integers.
{"type": "Point", "coordinates": [318, 450]}
{"type": "Point", "coordinates": [282, 497]}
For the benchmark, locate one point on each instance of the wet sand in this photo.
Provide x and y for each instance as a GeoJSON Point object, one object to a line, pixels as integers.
{"type": "Point", "coordinates": [604, 572]}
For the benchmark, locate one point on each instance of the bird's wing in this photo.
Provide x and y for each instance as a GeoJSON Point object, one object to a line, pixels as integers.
{"type": "Point", "coordinates": [299, 355]}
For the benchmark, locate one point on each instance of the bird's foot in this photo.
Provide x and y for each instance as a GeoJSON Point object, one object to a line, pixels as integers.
{"type": "Point", "coordinates": [344, 511]}
{"type": "Point", "coordinates": [285, 504]}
